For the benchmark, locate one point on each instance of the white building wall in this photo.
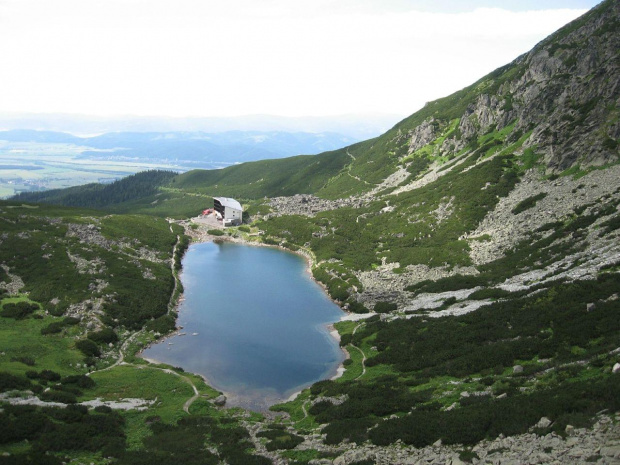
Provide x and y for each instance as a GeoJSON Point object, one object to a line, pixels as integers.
{"type": "Point", "coordinates": [233, 214]}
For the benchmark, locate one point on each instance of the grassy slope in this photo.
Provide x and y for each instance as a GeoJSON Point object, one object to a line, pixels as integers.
{"type": "Point", "coordinates": [301, 174]}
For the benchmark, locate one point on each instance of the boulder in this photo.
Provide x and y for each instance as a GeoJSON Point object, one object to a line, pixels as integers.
{"type": "Point", "coordinates": [616, 368]}
{"type": "Point", "coordinates": [220, 400]}
{"type": "Point", "coordinates": [610, 451]}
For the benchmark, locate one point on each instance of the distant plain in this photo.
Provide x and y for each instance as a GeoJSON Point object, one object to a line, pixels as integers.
{"type": "Point", "coordinates": [33, 166]}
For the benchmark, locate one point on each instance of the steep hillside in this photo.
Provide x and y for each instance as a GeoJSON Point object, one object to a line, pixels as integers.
{"type": "Point", "coordinates": [472, 177]}
{"type": "Point", "coordinates": [267, 178]}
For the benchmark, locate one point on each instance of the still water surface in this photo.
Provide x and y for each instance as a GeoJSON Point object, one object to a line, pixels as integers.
{"type": "Point", "coordinates": [260, 322]}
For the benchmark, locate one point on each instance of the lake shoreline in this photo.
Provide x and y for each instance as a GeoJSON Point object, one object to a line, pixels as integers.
{"type": "Point", "coordinates": [200, 236]}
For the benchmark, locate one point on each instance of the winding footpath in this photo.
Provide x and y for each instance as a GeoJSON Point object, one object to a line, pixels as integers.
{"type": "Point", "coordinates": [363, 355]}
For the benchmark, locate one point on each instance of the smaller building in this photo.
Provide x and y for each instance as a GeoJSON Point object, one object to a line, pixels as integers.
{"type": "Point", "coordinates": [229, 210]}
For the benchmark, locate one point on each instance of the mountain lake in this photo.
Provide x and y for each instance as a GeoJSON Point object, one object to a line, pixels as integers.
{"type": "Point", "coordinates": [255, 324]}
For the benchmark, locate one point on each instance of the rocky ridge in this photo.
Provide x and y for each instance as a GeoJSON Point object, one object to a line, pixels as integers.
{"type": "Point", "coordinates": [599, 444]}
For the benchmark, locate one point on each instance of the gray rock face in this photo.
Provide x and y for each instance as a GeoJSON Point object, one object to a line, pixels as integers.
{"type": "Point", "coordinates": [15, 283]}
{"type": "Point", "coordinates": [422, 135]}
{"type": "Point", "coordinates": [561, 91]}
{"type": "Point", "coordinates": [544, 422]}
{"type": "Point", "coordinates": [309, 205]}
{"type": "Point", "coordinates": [579, 446]}
{"type": "Point", "coordinates": [220, 401]}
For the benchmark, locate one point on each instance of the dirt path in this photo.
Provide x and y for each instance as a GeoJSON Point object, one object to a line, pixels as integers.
{"type": "Point", "coordinates": [363, 362]}
{"type": "Point", "coordinates": [171, 302]}
{"type": "Point", "coordinates": [352, 175]}
{"type": "Point", "coordinates": [361, 352]}
{"type": "Point", "coordinates": [189, 401]}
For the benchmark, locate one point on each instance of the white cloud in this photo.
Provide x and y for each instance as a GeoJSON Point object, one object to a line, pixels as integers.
{"type": "Point", "coordinates": [190, 57]}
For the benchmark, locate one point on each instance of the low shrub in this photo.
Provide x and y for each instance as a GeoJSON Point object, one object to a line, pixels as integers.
{"type": "Point", "coordinates": [489, 293]}
{"type": "Point", "coordinates": [528, 203]}
{"type": "Point", "coordinates": [451, 283]}
{"type": "Point", "coordinates": [385, 307]}
{"type": "Point", "coordinates": [9, 382]}
{"type": "Point", "coordinates": [162, 325]}
{"type": "Point", "coordinates": [58, 309]}
{"type": "Point", "coordinates": [356, 307]}
{"type": "Point", "coordinates": [53, 395]}
{"type": "Point", "coordinates": [19, 310]}
{"type": "Point", "coordinates": [82, 381]}
{"type": "Point", "coordinates": [88, 348]}
{"type": "Point", "coordinates": [105, 336]}
{"type": "Point", "coordinates": [25, 360]}
{"type": "Point", "coordinates": [280, 439]}
{"type": "Point", "coordinates": [53, 328]}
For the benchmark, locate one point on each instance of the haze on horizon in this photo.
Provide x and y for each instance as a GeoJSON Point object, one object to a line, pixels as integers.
{"type": "Point", "coordinates": [190, 58]}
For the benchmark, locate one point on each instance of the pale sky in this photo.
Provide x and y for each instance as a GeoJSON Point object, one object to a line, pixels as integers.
{"type": "Point", "coordinates": [238, 57]}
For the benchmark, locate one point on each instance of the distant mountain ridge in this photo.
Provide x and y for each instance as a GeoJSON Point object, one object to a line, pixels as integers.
{"type": "Point", "coordinates": [191, 148]}
{"type": "Point", "coordinates": [356, 126]}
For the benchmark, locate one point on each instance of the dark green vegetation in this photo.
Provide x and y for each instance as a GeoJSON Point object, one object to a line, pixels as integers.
{"type": "Point", "coordinates": [279, 438]}
{"type": "Point", "coordinates": [191, 441]}
{"type": "Point", "coordinates": [216, 232]}
{"type": "Point", "coordinates": [71, 257]}
{"type": "Point", "coordinates": [528, 203]}
{"type": "Point", "coordinates": [19, 310]}
{"type": "Point", "coordinates": [303, 174]}
{"type": "Point", "coordinates": [131, 188]}
{"type": "Point", "coordinates": [65, 431]}
{"type": "Point", "coordinates": [547, 333]}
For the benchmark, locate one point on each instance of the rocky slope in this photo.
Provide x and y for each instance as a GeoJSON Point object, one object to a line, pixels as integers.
{"type": "Point", "coordinates": [554, 110]}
